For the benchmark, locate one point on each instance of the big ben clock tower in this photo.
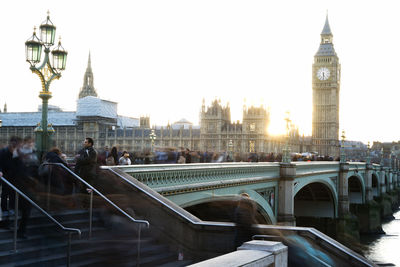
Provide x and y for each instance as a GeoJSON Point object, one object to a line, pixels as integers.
{"type": "Point", "coordinates": [326, 88]}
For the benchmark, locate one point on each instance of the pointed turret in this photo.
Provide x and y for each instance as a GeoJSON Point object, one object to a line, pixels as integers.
{"type": "Point", "coordinates": [326, 46]}
{"type": "Point", "coordinates": [327, 29]}
{"type": "Point", "coordinates": [5, 108]}
{"type": "Point", "coordinates": [88, 87]}
{"type": "Point", "coordinates": [89, 64]}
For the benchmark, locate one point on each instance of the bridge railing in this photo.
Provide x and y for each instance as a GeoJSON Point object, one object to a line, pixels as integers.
{"type": "Point", "coordinates": [316, 167]}
{"type": "Point", "coordinates": [158, 176]}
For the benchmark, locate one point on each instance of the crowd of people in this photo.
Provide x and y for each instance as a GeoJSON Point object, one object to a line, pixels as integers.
{"type": "Point", "coordinates": [184, 155]}
{"type": "Point", "coordinates": [21, 166]}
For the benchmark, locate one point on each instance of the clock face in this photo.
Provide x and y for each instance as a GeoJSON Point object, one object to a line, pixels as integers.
{"type": "Point", "coordinates": [323, 74]}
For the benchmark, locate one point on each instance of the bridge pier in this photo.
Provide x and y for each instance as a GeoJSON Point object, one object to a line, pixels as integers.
{"type": "Point", "coordinates": [368, 183]}
{"type": "Point", "coordinates": [286, 195]}
{"type": "Point", "coordinates": [383, 182]}
{"type": "Point", "coordinates": [369, 212]}
{"type": "Point", "coordinates": [343, 193]}
{"type": "Point", "coordinates": [346, 224]}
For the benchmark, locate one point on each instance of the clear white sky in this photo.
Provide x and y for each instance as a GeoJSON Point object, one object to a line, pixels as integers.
{"type": "Point", "coordinates": [160, 58]}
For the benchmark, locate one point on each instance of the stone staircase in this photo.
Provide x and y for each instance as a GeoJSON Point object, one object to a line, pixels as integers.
{"type": "Point", "coordinates": [113, 242]}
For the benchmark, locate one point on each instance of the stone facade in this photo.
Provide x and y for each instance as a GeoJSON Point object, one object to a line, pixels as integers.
{"type": "Point", "coordinates": [218, 133]}
{"type": "Point", "coordinates": [97, 118]}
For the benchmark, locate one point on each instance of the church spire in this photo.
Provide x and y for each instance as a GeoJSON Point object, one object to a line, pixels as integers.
{"type": "Point", "coordinates": [89, 64]}
{"type": "Point", "coordinates": [88, 87]}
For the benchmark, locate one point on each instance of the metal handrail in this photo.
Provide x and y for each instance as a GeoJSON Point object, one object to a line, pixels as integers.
{"type": "Point", "coordinates": [100, 194]}
{"type": "Point", "coordinates": [154, 198]}
{"type": "Point", "coordinates": [66, 229]}
{"type": "Point", "coordinates": [109, 201]}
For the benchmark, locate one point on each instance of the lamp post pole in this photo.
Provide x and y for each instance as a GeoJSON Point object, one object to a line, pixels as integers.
{"type": "Point", "coordinates": [153, 137]}
{"type": "Point", "coordinates": [286, 152]}
{"type": "Point", "coordinates": [342, 152]}
{"type": "Point", "coordinates": [47, 72]}
{"type": "Point", "coordinates": [368, 158]}
{"type": "Point", "coordinates": [230, 146]}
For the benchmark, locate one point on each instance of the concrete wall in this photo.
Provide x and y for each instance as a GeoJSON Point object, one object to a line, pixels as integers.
{"type": "Point", "coordinates": [255, 253]}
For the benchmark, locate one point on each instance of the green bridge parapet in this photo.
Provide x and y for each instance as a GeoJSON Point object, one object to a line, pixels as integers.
{"type": "Point", "coordinates": [177, 178]}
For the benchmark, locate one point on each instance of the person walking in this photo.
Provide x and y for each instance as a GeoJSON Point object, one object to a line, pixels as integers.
{"type": "Point", "coordinates": [125, 160]}
{"type": "Point", "coordinates": [86, 160]}
{"type": "Point", "coordinates": [244, 217]}
{"type": "Point", "coordinates": [112, 159]}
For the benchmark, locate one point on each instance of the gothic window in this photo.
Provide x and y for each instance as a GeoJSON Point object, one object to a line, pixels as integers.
{"type": "Point", "coordinates": [252, 127]}
{"type": "Point", "coordinates": [252, 146]}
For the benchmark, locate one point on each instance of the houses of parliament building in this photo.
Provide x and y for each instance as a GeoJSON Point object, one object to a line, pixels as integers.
{"type": "Point", "coordinates": [98, 118]}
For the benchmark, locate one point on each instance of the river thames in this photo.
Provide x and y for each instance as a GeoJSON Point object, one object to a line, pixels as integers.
{"type": "Point", "coordinates": [385, 248]}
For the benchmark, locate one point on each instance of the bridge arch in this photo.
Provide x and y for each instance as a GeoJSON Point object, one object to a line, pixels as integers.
{"type": "Point", "coordinates": [356, 189]}
{"type": "Point", "coordinates": [221, 208]}
{"type": "Point", "coordinates": [316, 198]}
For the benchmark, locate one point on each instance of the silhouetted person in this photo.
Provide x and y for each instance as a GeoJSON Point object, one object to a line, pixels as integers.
{"type": "Point", "coordinates": [244, 217]}
{"type": "Point", "coordinates": [114, 155]}
{"type": "Point", "coordinates": [86, 161]}
{"type": "Point", "coordinates": [8, 170]}
{"type": "Point", "coordinates": [62, 182]}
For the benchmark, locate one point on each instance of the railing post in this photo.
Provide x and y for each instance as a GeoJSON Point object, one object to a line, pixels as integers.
{"type": "Point", "coordinates": [48, 187]}
{"type": "Point", "coordinates": [16, 221]}
{"type": "Point", "coordinates": [138, 250]}
{"type": "Point", "coordinates": [90, 213]}
{"type": "Point", "coordinates": [69, 249]}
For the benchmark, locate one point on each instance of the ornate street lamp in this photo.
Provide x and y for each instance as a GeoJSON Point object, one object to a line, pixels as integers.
{"type": "Point", "coordinates": [153, 137]}
{"type": "Point", "coordinates": [368, 159]}
{"type": "Point", "coordinates": [342, 152]}
{"type": "Point", "coordinates": [47, 71]}
{"type": "Point", "coordinates": [286, 151]}
{"type": "Point", "coordinates": [391, 158]}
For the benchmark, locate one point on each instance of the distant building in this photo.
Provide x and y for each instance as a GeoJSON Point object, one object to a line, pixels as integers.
{"type": "Point", "coordinates": [218, 133]}
{"type": "Point", "coordinates": [99, 119]}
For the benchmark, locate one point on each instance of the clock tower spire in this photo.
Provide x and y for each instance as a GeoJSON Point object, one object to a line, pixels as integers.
{"type": "Point", "coordinates": [326, 89]}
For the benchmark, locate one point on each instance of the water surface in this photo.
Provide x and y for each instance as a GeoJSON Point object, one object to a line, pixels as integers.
{"type": "Point", "coordinates": [385, 248]}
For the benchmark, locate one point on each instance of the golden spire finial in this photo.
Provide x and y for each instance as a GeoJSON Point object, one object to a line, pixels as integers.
{"type": "Point", "coordinates": [343, 137]}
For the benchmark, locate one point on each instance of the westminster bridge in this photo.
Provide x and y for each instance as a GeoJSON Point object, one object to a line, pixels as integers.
{"type": "Point", "coordinates": [300, 193]}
